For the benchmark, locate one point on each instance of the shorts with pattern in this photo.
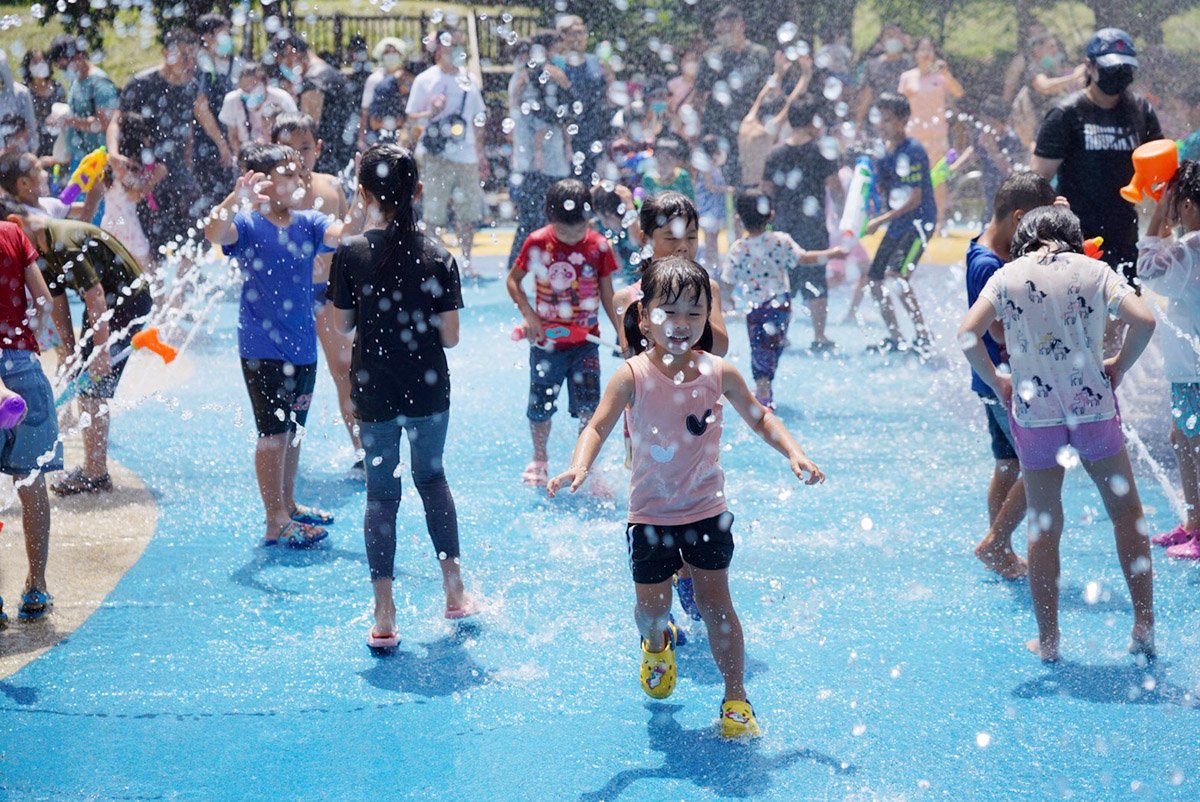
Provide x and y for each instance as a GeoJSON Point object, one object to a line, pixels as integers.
{"type": "Point", "coordinates": [578, 365]}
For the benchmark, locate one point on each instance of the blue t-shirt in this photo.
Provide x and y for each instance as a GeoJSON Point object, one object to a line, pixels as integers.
{"type": "Point", "coordinates": [982, 262]}
{"type": "Point", "coordinates": [902, 171]}
{"type": "Point", "coordinates": [276, 319]}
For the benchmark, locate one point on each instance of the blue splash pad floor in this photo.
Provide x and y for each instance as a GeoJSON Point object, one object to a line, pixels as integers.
{"type": "Point", "coordinates": [883, 661]}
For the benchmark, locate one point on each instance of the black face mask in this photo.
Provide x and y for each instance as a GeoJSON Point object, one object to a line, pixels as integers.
{"type": "Point", "coordinates": [1114, 80]}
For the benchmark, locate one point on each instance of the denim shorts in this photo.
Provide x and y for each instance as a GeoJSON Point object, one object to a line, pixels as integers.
{"type": "Point", "coordinates": [1185, 408]}
{"type": "Point", "coordinates": [578, 365]}
{"type": "Point", "coordinates": [34, 445]}
{"type": "Point", "coordinates": [1000, 430]}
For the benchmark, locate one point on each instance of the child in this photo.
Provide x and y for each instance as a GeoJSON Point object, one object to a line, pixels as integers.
{"type": "Point", "coordinates": [396, 351]}
{"type": "Point", "coordinates": [797, 176]}
{"type": "Point", "coordinates": [759, 265]}
{"type": "Point", "coordinates": [1054, 303]}
{"type": "Point", "coordinates": [25, 180]}
{"type": "Point", "coordinates": [32, 447]}
{"type": "Point", "coordinates": [986, 254]}
{"type": "Point", "coordinates": [613, 207]}
{"type": "Point", "coordinates": [275, 244]}
{"type": "Point", "coordinates": [711, 191]}
{"type": "Point", "coordinates": [116, 303]}
{"type": "Point", "coordinates": [1172, 268]}
{"type": "Point", "coordinates": [323, 193]}
{"type": "Point", "coordinates": [668, 172]}
{"type": "Point", "coordinates": [572, 268]}
{"type": "Point", "coordinates": [902, 177]}
{"type": "Point", "coordinates": [131, 181]}
{"type": "Point", "coordinates": [677, 510]}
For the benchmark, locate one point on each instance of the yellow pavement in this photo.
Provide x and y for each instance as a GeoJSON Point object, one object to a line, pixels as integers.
{"type": "Point", "coordinates": [945, 250]}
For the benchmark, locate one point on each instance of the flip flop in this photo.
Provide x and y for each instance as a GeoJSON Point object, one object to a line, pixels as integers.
{"type": "Point", "coordinates": [305, 514]}
{"type": "Point", "coordinates": [469, 609]}
{"type": "Point", "coordinates": [386, 642]}
{"type": "Point", "coordinates": [296, 536]}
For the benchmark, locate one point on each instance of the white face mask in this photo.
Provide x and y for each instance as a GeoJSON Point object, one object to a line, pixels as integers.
{"type": "Point", "coordinates": [40, 70]}
{"type": "Point", "coordinates": [392, 61]}
{"type": "Point", "coordinates": [893, 45]}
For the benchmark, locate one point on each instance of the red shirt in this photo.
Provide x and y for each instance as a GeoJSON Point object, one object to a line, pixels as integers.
{"type": "Point", "coordinates": [16, 253]}
{"type": "Point", "coordinates": [567, 277]}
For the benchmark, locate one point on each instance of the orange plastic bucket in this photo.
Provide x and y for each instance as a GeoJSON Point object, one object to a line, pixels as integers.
{"type": "Point", "coordinates": [1154, 164]}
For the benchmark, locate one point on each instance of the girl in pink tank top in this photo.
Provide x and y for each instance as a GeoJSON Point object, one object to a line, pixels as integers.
{"type": "Point", "coordinates": [677, 511]}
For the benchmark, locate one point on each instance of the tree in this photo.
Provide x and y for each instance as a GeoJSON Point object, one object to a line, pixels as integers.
{"type": "Point", "coordinates": [90, 19]}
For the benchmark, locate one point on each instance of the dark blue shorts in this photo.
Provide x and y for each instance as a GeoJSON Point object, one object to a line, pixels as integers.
{"type": "Point", "coordinates": [34, 445]}
{"type": "Point", "coordinates": [1000, 430]}
{"type": "Point", "coordinates": [578, 365]}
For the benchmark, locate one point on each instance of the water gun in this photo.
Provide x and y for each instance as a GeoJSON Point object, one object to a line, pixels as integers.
{"type": "Point", "coordinates": [1154, 164]}
{"type": "Point", "coordinates": [941, 171]}
{"type": "Point", "coordinates": [563, 334]}
{"type": "Point", "coordinates": [1091, 248]}
{"type": "Point", "coordinates": [12, 409]}
{"type": "Point", "coordinates": [85, 175]}
{"type": "Point", "coordinates": [145, 339]}
{"type": "Point", "coordinates": [858, 198]}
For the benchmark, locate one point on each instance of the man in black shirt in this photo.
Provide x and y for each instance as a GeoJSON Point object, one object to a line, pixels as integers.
{"type": "Point", "coordinates": [1087, 141]}
{"type": "Point", "coordinates": [731, 75]}
{"type": "Point", "coordinates": [321, 93]}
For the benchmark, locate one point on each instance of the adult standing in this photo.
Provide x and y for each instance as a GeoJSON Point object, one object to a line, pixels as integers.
{"type": "Point", "coordinates": [321, 93]}
{"type": "Point", "coordinates": [589, 87]}
{"type": "Point", "coordinates": [17, 120]}
{"type": "Point", "coordinates": [217, 71]}
{"type": "Point", "coordinates": [1087, 141]}
{"type": "Point", "coordinates": [730, 76]}
{"type": "Point", "coordinates": [395, 81]}
{"type": "Point", "coordinates": [35, 72]}
{"type": "Point", "coordinates": [443, 103]}
{"type": "Point", "coordinates": [931, 88]}
{"type": "Point", "coordinates": [883, 71]}
{"type": "Point", "coordinates": [92, 98]}
{"type": "Point", "coordinates": [169, 97]}
{"type": "Point", "coordinates": [1045, 78]}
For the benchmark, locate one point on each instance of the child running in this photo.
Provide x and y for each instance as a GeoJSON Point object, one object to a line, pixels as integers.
{"type": "Point", "coordinates": [323, 193]}
{"type": "Point", "coordinates": [903, 180]}
{"type": "Point", "coordinates": [398, 291]}
{"type": "Point", "coordinates": [275, 243]}
{"type": "Point", "coordinates": [759, 266]}
{"type": "Point", "coordinates": [572, 268]}
{"type": "Point", "coordinates": [1054, 303]}
{"type": "Point", "coordinates": [986, 254]}
{"type": "Point", "coordinates": [32, 447]}
{"type": "Point", "coordinates": [677, 510]}
{"type": "Point", "coordinates": [1172, 268]}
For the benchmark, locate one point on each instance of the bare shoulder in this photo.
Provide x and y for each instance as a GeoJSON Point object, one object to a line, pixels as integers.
{"type": "Point", "coordinates": [327, 193]}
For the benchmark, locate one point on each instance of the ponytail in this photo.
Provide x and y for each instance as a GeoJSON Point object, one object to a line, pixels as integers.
{"type": "Point", "coordinates": [389, 172]}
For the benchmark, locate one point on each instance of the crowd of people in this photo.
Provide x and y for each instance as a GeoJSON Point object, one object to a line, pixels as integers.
{"type": "Point", "coordinates": [332, 190]}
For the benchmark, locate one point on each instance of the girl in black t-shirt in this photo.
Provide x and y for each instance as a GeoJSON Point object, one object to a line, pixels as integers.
{"type": "Point", "coordinates": [398, 292]}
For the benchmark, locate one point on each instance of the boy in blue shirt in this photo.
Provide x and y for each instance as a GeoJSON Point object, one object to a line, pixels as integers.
{"type": "Point", "coordinates": [275, 244]}
{"type": "Point", "coordinates": [986, 254]}
{"type": "Point", "coordinates": [902, 179]}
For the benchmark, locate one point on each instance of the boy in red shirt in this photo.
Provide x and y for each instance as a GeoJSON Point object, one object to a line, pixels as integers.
{"type": "Point", "coordinates": [32, 447]}
{"type": "Point", "coordinates": [572, 267]}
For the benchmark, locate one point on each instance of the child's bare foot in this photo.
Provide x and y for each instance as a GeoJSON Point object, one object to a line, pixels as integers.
{"type": "Point", "coordinates": [1048, 652]}
{"type": "Point", "coordinates": [385, 618]}
{"type": "Point", "coordinates": [1001, 560]}
{"type": "Point", "coordinates": [1141, 641]}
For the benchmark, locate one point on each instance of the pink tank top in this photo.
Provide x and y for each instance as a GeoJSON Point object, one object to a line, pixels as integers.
{"type": "Point", "coordinates": [675, 429]}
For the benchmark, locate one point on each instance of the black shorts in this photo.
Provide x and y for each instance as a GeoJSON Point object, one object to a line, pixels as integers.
{"type": "Point", "coordinates": [657, 552]}
{"type": "Point", "coordinates": [280, 394]}
{"type": "Point", "coordinates": [809, 282]}
{"type": "Point", "coordinates": [897, 255]}
{"type": "Point", "coordinates": [129, 317]}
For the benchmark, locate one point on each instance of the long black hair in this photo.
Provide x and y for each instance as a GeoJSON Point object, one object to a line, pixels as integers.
{"type": "Point", "coordinates": [1051, 227]}
{"type": "Point", "coordinates": [1185, 186]}
{"type": "Point", "coordinates": [389, 172]}
{"type": "Point", "coordinates": [670, 279]}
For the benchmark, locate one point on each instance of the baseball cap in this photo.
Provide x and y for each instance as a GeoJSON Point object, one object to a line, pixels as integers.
{"type": "Point", "coordinates": [1112, 47]}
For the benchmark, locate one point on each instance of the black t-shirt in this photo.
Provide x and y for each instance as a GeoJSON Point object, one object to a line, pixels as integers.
{"type": "Point", "coordinates": [1095, 145]}
{"type": "Point", "coordinates": [170, 108]}
{"type": "Point", "coordinates": [398, 366]}
{"type": "Point", "coordinates": [742, 74]}
{"type": "Point", "coordinates": [798, 173]}
{"type": "Point", "coordinates": [338, 109]}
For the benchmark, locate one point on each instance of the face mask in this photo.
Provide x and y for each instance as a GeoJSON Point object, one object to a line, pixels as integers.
{"type": "Point", "coordinates": [254, 99]}
{"type": "Point", "coordinates": [40, 70]}
{"type": "Point", "coordinates": [1049, 63]}
{"type": "Point", "coordinates": [224, 44]}
{"type": "Point", "coordinates": [289, 74]}
{"type": "Point", "coordinates": [392, 61]}
{"type": "Point", "coordinates": [893, 46]}
{"type": "Point", "coordinates": [658, 106]}
{"type": "Point", "coordinates": [725, 39]}
{"type": "Point", "coordinates": [458, 55]}
{"type": "Point", "coordinates": [1114, 80]}
{"type": "Point", "coordinates": [73, 74]}
{"type": "Point", "coordinates": [559, 61]}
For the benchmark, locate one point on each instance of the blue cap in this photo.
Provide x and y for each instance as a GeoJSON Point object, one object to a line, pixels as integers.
{"type": "Point", "coordinates": [1112, 47]}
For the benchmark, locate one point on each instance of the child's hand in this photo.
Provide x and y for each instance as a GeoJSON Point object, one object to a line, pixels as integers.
{"type": "Point", "coordinates": [839, 252]}
{"type": "Point", "coordinates": [874, 224]}
{"type": "Point", "coordinates": [1114, 371]}
{"type": "Point", "coordinates": [1004, 390]}
{"type": "Point", "coordinates": [533, 328]}
{"type": "Point", "coordinates": [575, 475]}
{"type": "Point", "coordinates": [802, 465]}
{"type": "Point", "coordinates": [247, 188]}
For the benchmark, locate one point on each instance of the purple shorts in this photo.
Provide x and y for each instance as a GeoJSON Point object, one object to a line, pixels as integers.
{"type": "Point", "coordinates": [1038, 447]}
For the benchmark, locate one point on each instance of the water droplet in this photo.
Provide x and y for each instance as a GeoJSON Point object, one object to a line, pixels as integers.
{"type": "Point", "coordinates": [787, 33]}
